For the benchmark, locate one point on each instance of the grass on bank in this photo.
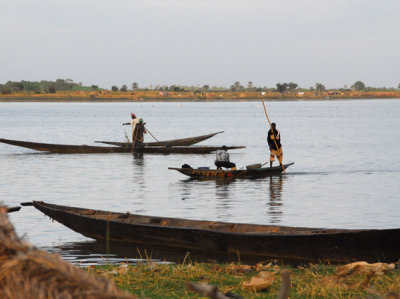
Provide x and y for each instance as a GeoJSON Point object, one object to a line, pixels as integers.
{"type": "Point", "coordinates": [152, 280]}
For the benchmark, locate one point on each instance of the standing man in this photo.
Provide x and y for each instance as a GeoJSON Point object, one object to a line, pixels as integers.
{"type": "Point", "coordinates": [133, 122]}
{"type": "Point", "coordinates": [275, 146]}
{"type": "Point", "coordinates": [140, 130]}
{"type": "Point", "coordinates": [222, 159]}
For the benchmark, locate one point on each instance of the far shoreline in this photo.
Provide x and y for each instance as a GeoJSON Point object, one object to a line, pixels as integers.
{"type": "Point", "coordinates": [152, 96]}
{"type": "Point", "coordinates": [175, 100]}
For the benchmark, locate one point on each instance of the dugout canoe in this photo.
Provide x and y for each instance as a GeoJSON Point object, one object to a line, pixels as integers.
{"type": "Point", "coordinates": [250, 241]}
{"type": "Point", "coordinates": [251, 173]}
{"type": "Point", "coordinates": [173, 142]}
{"type": "Point", "coordinates": [88, 149]}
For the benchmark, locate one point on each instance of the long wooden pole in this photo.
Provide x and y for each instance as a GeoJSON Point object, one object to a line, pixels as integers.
{"type": "Point", "coordinates": [151, 135]}
{"type": "Point", "coordinates": [270, 125]}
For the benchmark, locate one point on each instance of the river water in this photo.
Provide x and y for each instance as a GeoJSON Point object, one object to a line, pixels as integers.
{"type": "Point", "coordinates": [346, 172]}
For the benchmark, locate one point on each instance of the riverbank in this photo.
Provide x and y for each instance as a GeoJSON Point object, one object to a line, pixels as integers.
{"type": "Point", "coordinates": [154, 280]}
{"type": "Point", "coordinates": [157, 96]}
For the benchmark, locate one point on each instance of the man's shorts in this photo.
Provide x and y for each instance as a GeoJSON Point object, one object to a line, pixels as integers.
{"type": "Point", "coordinates": [278, 153]}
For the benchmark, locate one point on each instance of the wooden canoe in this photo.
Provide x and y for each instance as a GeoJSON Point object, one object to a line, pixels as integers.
{"type": "Point", "coordinates": [88, 149]}
{"type": "Point", "coordinates": [232, 174]}
{"type": "Point", "coordinates": [173, 142]}
{"type": "Point", "coordinates": [249, 241]}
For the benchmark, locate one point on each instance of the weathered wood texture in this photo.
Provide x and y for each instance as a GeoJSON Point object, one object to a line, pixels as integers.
{"type": "Point", "coordinates": [251, 241]}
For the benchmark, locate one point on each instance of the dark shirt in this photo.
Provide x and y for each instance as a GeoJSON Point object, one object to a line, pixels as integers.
{"type": "Point", "coordinates": [274, 135]}
{"type": "Point", "coordinates": [139, 131]}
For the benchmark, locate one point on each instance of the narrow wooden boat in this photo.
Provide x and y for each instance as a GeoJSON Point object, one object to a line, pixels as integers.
{"type": "Point", "coordinates": [232, 174]}
{"type": "Point", "coordinates": [250, 241]}
{"type": "Point", "coordinates": [173, 142]}
{"type": "Point", "coordinates": [88, 149]}
{"type": "Point", "coordinates": [13, 209]}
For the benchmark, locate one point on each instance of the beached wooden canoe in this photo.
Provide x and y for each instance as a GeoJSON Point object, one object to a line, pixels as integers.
{"type": "Point", "coordinates": [250, 241]}
{"type": "Point", "coordinates": [88, 149]}
{"type": "Point", "coordinates": [250, 173]}
{"type": "Point", "coordinates": [173, 142]}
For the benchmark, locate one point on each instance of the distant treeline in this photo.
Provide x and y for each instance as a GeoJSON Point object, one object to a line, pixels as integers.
{"type": "Point", "coordinates": [70, 85]}
{"type": "Point", "coordinates": [41, 87]}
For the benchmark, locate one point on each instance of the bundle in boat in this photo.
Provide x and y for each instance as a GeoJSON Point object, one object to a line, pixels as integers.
{"type": "Point", "coordinates": [27, 272]}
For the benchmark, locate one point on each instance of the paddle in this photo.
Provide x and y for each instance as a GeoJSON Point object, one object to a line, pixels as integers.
{"type": "Point", "coordinates": [266, 114]}
{"type": "Point", "coordinates": [26, 204]}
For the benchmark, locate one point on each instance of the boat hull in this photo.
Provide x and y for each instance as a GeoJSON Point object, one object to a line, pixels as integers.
{"type": "Point", "coordinates": [232, 174]}
{"type": "Point", "coordinates": [250, 242]}
{"type": "Point", "coordinates": [174, 142]}
{"type": "Point", "coordinates": [88, 149]}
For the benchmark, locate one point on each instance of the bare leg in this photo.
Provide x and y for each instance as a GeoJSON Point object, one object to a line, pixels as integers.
{"type": "Point", "coordinates": [270, 163]}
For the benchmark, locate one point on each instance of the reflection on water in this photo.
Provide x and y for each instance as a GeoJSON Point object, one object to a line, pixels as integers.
{"type": "Point", "coordinates": [138, 177]}
{"type": "Point", "coordinates": [97, 253]}
{"type": "Point", "coordinates": [223, 188]}
{"type": "Point", "coordinates": [275, 198]}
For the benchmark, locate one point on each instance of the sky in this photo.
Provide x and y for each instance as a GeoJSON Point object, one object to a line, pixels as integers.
{"type": "Point", "coordinates": [213, 42]}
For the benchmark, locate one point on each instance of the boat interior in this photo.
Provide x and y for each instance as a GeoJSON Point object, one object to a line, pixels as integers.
{"type": "Point", "coordinates": [136, 219]}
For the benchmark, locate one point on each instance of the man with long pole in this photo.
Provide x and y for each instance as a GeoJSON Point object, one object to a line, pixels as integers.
{"type": "Point", "coordinates": [274, 142]}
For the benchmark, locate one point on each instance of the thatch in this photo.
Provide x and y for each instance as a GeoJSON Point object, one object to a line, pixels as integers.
{"type": "Point", "coordinates": [27, 272]}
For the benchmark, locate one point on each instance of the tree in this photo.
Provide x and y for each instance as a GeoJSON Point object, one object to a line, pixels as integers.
{"type": "Point", "coordinates": [135, 86]}
{"type": "Point", "coordinates": [358, 86]}
{"type": "Point", "coordinates": [398, 86]}
{"type": "Point", "coordinates": [14, 86]}
{"type": "Point", "coordinates": [175, 88]}
{"type": "Point", "coordinates": [281, 87]}
{"type": "Point", "coordinates": [124, 88]}
{"type": "Point", "coordinates": [319, 87]}
{"type": "Point", "coordinates": [94, 87]}
{"type": "Point", "coordinates": [114, 88]}
{"type": "Point", "coordinates": [31, 86]}
{"type": "Point", "coordinates": [292, 86]}
{"type": "Point", "coordinates": [206, 88]}
{"type": "Point", "coordinates": [236, 86]}
{"type": "Point", "coordinates": [250, 85]}
{"type": "Point", "coordinates": [5, 90]}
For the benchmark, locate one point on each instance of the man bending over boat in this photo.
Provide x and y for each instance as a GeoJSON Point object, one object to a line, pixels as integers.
{"type": "Point", "coordinates": [275, 146]}
{"type": "Point", "coordinates": [222, 159]}
{"type": "Point", "coordinates": [133, 122]}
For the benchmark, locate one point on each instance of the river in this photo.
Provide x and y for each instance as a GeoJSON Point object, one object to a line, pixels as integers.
{"type": "Point", "coordinates": [346, 172]}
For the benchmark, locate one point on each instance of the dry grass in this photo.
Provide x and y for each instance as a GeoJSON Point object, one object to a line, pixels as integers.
{"type": "Point", "coordinates": [29, 273]}
{"type": "Point", "coordinates": [314, 281]}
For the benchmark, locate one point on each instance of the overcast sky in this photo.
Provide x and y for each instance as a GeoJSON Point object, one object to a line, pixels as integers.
{"type": "Point", "coordinates": [214, 42]}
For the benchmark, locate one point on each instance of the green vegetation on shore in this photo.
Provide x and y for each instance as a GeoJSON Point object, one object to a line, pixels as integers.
{"type": "Point", "coordinates": [67, 90]}
{"type": "Point", "coordinates": [153, 280]}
